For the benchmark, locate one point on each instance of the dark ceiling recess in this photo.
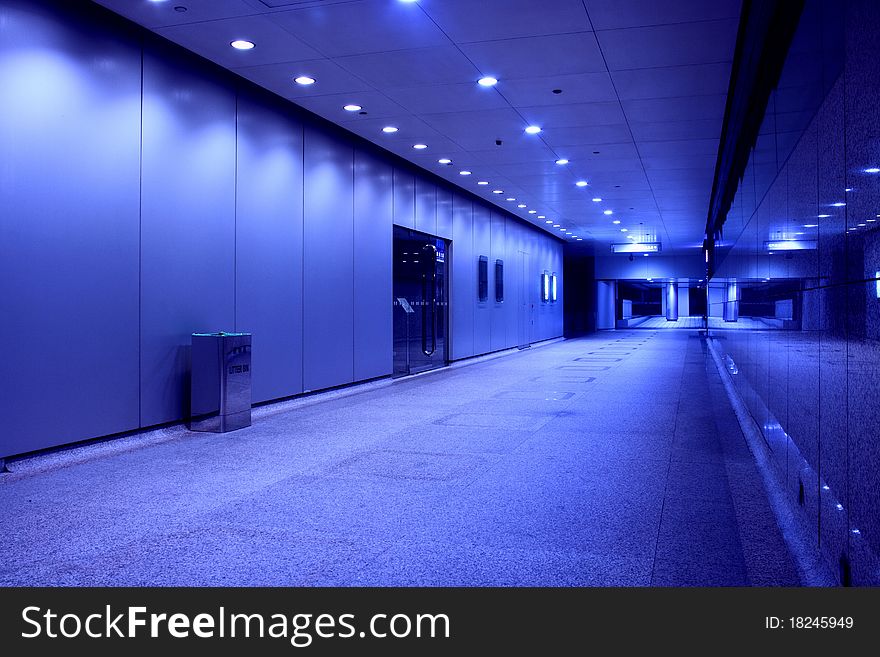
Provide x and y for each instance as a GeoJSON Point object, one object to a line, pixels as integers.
{"type": "Point", "coordinates": [765, 33]}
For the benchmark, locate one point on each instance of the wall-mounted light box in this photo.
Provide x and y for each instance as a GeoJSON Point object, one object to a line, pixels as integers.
{"type": "Point", "coordinates": [553, 287]}
{"type": "Point", "coordinates": [790, 245]}
{"type": "Point", "coordinates": [636, 247]}
{"type": "Point", "coordinates": [545, 286]}
{"type": "Point", "coordinates": [877, 276]}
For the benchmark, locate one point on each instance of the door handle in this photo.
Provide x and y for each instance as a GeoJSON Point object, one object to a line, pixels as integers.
{"type": "Point", "coordinates": [429, 285]}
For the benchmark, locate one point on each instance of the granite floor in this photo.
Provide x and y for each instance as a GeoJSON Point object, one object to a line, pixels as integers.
{"type": "Point", "coordinates": [608, 460]}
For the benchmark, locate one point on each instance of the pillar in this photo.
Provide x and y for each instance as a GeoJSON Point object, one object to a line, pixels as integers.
{"type": "Point", "coordinates": [731, 303]}
{"type": "Point", "coordinates": [671, 302]}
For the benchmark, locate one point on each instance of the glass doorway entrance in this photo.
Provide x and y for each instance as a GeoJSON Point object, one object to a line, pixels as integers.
{"type": "Point", "coordinates": [420, 301]}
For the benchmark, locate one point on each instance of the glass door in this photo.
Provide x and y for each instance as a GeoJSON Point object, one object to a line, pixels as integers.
{"type": "Point", "coordinates": [420, 302]}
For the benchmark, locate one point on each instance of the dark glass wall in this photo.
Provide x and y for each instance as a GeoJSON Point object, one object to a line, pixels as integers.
{"type": "Point", "coordinates": [801, 244]}
{"type": "Point", "coordinates": [146, 194]}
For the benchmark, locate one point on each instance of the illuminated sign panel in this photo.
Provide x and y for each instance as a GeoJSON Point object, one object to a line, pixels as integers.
{"type": "Point", "coordinates": [790, 245]}
{"type": "Point", "coordinates": [636, 247]}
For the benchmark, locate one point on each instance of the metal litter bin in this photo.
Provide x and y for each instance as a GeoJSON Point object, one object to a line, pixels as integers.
{"type": "Point", "coordinates": [221, 382]}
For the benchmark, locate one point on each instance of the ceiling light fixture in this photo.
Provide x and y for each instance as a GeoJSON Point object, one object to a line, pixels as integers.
{"type": "Point", "coordinates": [487, 81]}
{"type": "Point", "coordinates": [597, 200]}
{"type": "Point", "coordinates": [608, 212]}
{"type": "Point", "coordinates": [623, 230]}
{"type": "Point", "coordinates": [510, 198]}
{"type": "Point", "coordinates": [388, 129]}
{"type": "Point", "coordinates": [420, 147]}
{"type": "Point", "coordinates": [521, 205]}
{"type": "Point", "coordinates": [556, 225]}
{"type": "Point", "coordinates": [616, 221]}
{"type": "Point", "coordinates": [497, 191]}
{"type": "Point", "coordinates": [533, 212]}
{"type": "Point", "coordinates": [533, 130]}
{"type": "Point", "coordinates": [241, 44]}
{"type": "Point", "coordinates": [444, 160]}
{"type": "Point", "coordinates": [304, 80]}
{"type": "Point", "coordinates": [352, 108]}
{"type": "Point", "coordinates": [562, 160]}
{"type": "Point", "coordinates": [581, 183]}
{"type": "Point", "coordinates": [549, 221]}
{"type": "Point", "coordinates": [482, 182]}
{"type": "Point", "coordinates": [872, 170]}
{"type": "Point", "coordinates": [464, 173]}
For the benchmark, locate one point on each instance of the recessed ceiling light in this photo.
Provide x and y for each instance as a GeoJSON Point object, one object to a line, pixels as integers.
{"type": "Point", "coordinates": [444, 160]}
{"type": "Point", "coordinates": [420, 147]}
{"type": "Point", "coordinates": [541, 216]}
{"type": "Point", "coordinates": [389, 129]}
{"type": "Point", "coordinates": [483, 182]}
{"type": "Point", "coordinates": [464, 173]}
{"type": "Point", "coordinates": [616, 221]}
{"type": "Point", "coordinates": [862, 225]}
{"type": "Point", "coordinates": [848, 189]}
{"type": "Point", "coordinates": [581, 183]}
{"type": "Point", "coordinates": [533, 130]}
{"type": "Point", "coordinates": [597, 200]}
{"type": "Point", "coordinates": [241, 44]}
{"type": "Point", "coordinates": [549, 221]}
{"type": "Point", "coordinates": [646, 254]}
{"type": "Point", "coordinates": [521, 205]}
{"type": "Point", "coordinates": [608, 212]}
{"type": "Point", "coordinates": [556, 225]}
{"type": "Point", "coordinates": [623, 230]}
{"type": "Point", "coordinates": [872, 170]}
{"type": "Point", "coordinates": [533, 212]}
{"type": "Point", "coordinates": [304, 80]}
{"type": "Point", "coordinates": [839, 204]}
{"type": "Point", "coordinates": [580, 239]}
{"type": "Point", "coordinates": [871, 221]}
{"type": "Point", "coordinates": [497, 191]}
{"type": "Point", "coordinates": [352, 108]}
{"type": "Point", "coordinates": [510, 198]}
{"type": "Point", "coordinates": [825, 216]}
{"type": "Point", "coordinates": [811, 225]}
{"type": "Point", "coordinates": [487, 81]}
{"type": "Point", "coordinates": [562, 160]}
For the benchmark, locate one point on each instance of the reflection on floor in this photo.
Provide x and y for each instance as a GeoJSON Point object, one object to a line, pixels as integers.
{"type": "Point", "coordinates": [660, 322]}
{"type": "Point", "coordinates": [608, 460]}
{"type": "Point", "coordinates": [747, 323]}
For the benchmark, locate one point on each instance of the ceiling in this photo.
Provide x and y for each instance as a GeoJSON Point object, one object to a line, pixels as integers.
{"type": "Point", "coordinates": [643, 90]}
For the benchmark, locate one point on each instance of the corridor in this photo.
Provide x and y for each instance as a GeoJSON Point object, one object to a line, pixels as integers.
{"type": "Point", "coordinates": [614, 459]}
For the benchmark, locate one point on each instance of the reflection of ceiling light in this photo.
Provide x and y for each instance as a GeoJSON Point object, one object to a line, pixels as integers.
{"type": "Point", "coordinates": [823, 216]}
{"type": "Point", "coordinates": [304, 80]}
{"type": "Point", "coordinates": [581, 183]}
{"type": "Point", "coordinates": [839, 204]}
{"type": "Point", "coordinates": [848, 189]}
{"type": "Point", "coordinates": [532, 130]}
{"type": "Point", "coordinates": [580, 239]}
{"type": "Point", "coordinates": [487, 81]}
{"type": "Point", "coordinates": [241, 44]}
{"type": "Point", "coordinates": [645, 254]}
{"type": "Point", "coordinates": [389, 129]}
{"type": "Point", "coordinates": [352, 108]}
{"type": "Point", "coordinates": [872, 170]}
{"type": "Point", "coordinates": [562, 160]}
{"type": "Point", "coordinates": [811, 225]}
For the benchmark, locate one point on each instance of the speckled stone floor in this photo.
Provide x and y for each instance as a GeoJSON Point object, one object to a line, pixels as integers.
{"type": "Point", "coordinates": [608, 460]}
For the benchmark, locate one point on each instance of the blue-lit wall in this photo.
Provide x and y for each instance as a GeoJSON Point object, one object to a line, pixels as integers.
{"type": "Point", "coordinates": [806, 348]}
{"type": "Point", "coordinates": [145, 194]}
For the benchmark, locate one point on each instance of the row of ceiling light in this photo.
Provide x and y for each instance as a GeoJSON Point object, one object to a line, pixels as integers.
{"type": "Point", "coordinates": [486, 81]}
